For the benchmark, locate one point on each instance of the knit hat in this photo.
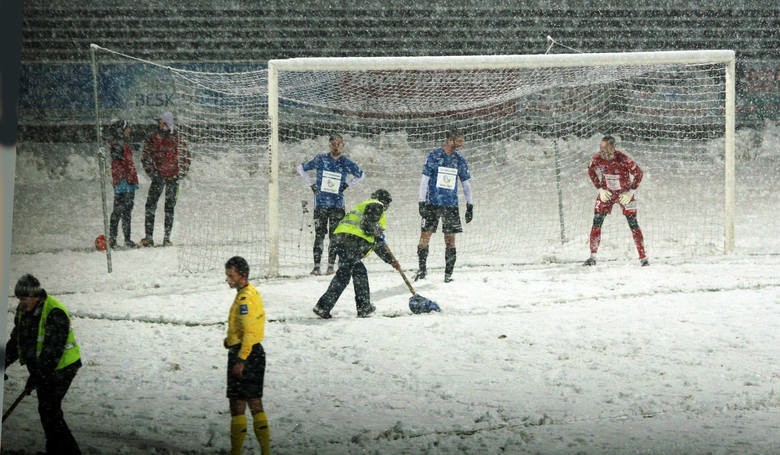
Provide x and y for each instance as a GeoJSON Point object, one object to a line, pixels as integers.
{"type": "Point", "coordinates": [167, 117]}
{"type": "Point", "coordinates": [383, 196]}
{"type": "Point", "coordinates": [28, 286]}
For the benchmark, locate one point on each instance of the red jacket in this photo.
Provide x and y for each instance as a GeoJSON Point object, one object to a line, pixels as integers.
{"type": "Point", "coordinates": [122, 165]}
{"type": "Point", "coordinates": [165, 155]}
{"type": "Point", "coordinates": [616, 174]}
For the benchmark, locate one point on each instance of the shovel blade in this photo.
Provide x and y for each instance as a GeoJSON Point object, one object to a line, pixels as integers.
{"type": "Point", "coordinates": [419, 304]}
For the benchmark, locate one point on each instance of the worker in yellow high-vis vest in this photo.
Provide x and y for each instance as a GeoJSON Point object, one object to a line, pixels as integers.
{"type": "Point", "coordinates": [246, 358]}
{"type": "Point", "coordinates": [42, 339]}
{"type": "Point", "coordinates": [358, 233]}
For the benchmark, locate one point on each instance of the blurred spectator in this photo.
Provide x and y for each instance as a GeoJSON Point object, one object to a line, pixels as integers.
{"type": "Point", "coordinates": [166, 160]}
{"type": "Point", "coordinates": [124, 179]}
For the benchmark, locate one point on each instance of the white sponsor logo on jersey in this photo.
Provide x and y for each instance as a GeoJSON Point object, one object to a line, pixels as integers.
{"type": "Point", "coordinates": [446, 178]}
{"type": "Point", "coordinates": [612, 181]}
{"type": "Point", "coordinates": [330, 182]}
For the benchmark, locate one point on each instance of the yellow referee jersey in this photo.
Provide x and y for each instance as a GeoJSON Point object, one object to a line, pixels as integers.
{"type": "Point", "coordinates": [246, 322]}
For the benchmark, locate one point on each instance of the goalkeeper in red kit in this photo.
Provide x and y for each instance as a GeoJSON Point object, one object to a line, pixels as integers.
{"type": "Point", "coordinates": [616, 177]}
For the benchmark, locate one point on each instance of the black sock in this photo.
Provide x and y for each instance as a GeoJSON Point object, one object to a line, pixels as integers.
{"type": "Point", "coordinates": [422, 257]}
{"type": "Point", "coordinates": [449, 260]}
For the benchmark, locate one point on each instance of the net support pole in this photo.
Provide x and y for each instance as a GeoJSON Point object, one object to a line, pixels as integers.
{"type": "Point", "coordinates": [101, 156]}
{"type": "Point", "coordinates": [560, 193]}
{"type": "Point", "coordinates": [730, 137]}
{"type": "Point", "coordinates": [273, 170]}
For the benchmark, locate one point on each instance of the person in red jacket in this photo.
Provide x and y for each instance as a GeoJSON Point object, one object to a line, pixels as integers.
{"type": "Point", "coordinates": [125, 181]}
{"type": "Point", "coordinates": [166, 160]}
{"type": "Point", "coordinates": [616, 177]}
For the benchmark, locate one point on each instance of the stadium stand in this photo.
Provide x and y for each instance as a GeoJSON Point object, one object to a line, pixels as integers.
{"type": "Point", "coordinates": [58, 33]}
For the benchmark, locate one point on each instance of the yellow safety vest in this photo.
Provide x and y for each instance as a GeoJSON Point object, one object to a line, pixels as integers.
{"type": "Point", "coordinates": [350, 224]}
{"type": "Point", "coordinates": [71, 353]}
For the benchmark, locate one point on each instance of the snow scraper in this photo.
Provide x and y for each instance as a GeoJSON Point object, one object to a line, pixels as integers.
{"type": "Point", "coordinates": [417, 303]}
{"type": "Point", "coordinates": [16, 402]}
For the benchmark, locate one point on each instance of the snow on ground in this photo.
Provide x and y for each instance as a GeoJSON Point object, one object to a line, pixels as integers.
{"type": "Point", "coordinates": [557, 358]}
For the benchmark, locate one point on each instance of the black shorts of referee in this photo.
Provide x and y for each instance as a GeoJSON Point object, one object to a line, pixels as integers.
{"type": "Point", "coordinates": [250, 384]}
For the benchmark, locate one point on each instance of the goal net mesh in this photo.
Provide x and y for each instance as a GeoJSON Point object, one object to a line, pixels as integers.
{"type": "Point", "coordinates": [223, 118]}
{"type": "Point", "coordinates": [529, 136]}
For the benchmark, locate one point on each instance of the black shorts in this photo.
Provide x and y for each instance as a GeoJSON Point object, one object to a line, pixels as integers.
{"type": "Point", "coordinates": [450, 219]}
{"type": "Point", "coordinates": [327, 218]}
{"type": "Point", "coordinates": [250, 385]}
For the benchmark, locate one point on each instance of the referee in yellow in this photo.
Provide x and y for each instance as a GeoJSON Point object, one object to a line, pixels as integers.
{"type": "Point", "coordinates": [246, 358]}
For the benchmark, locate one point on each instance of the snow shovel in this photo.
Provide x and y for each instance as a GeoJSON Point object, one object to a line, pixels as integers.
{"type": "Point", "coordinates": [417, 303]}
{"type": "Point", "coordinates": [18, 400]}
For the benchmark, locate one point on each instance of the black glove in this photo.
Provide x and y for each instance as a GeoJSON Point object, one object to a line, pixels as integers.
{"type": "Point", "coordinates": [469, 212]}
{"type": "Point", "coordinates": [343, 187]}
{"type": "Point", "coordinates": [314, 188]}
{"type": "Point", "coordinates": [424, 209]}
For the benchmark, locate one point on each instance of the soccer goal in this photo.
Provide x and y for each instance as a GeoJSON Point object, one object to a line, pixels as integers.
{"type": "Point", "coordinates": [531, 124]}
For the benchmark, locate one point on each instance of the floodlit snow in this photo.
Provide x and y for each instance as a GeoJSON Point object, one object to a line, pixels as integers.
{"type": "Point", "coordinates": [678, 357]}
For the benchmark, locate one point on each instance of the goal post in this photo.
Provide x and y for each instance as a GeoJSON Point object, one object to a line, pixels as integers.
{"type": "Point", "coordinates": [730, 155]}
{"type": "Point", "coordinates": [672, 111]}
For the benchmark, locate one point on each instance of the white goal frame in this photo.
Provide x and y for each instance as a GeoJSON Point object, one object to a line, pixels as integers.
{"type": "Point", "coordinates": [725, 57]}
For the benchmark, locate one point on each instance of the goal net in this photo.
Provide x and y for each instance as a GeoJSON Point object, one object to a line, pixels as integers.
{"type": "Point", "coordinates": [531, 125]}
{"type": "Point", "coordinates": [224, 120]}
{"type": "Point", "coordinates": [221, 208]}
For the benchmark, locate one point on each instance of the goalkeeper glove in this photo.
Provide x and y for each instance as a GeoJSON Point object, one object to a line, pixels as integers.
{"type": "Point", "coordinates": [314, 188]}
{"type": "Point", "coordinates": [469, 212]}
{"type": "Point", "coordinates": [604, 194]}
{"type": "Point", "coordinates": [626, 197]}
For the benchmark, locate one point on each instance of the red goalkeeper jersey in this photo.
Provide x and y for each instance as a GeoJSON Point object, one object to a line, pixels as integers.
{"type": "Point", "coordinates": [617, 175]}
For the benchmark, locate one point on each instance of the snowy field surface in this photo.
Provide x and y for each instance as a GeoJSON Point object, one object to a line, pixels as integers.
{"type": "Point", "coordinates": [672, 358]}
{"type": "Point", "coordinates": [680, 357]}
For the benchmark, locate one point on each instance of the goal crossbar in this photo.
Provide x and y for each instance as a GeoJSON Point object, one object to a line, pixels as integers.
{"type": "Point", "coordinates": [466, 62]}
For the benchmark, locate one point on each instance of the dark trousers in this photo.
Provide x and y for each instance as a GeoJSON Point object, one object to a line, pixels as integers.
{"type": "Point", "coordinates": [50, 393]}
{"type": "Point", "coordinates": [123, 209]}
{"type": "Point", "coordinates": [325, 221]}
{"type": "Point", "coordinates": [351, 250]}
{"type": "Point", "coordinates": [171, 187]}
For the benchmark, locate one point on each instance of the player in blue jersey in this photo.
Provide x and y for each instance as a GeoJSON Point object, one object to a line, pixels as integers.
{"type": "Point", "coordinates": [442, 171]}
{"type": "Point", "coordinates": [333, 170]}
